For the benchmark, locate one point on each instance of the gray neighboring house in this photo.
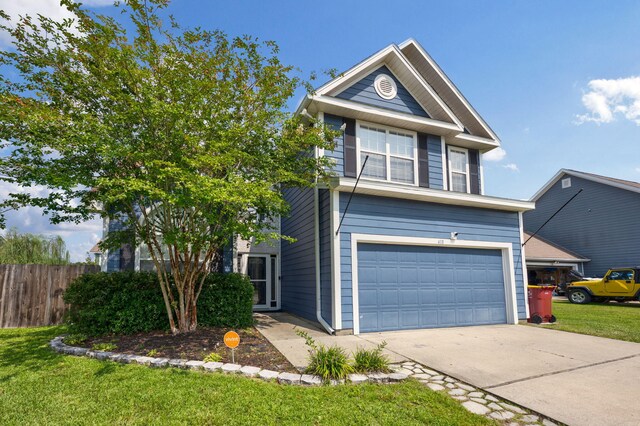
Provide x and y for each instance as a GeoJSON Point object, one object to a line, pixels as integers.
{"type": "Point", "coordinates": [602, 223]}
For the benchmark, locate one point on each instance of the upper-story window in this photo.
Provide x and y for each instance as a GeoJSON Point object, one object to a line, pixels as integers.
{"type": "Point", "coordinates": [391, 152]}
{"type": "Point", "coordinates": [459, 169]}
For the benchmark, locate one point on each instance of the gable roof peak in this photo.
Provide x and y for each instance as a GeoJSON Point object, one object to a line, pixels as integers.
{"type": "Point", "coordinates": [628, 185]}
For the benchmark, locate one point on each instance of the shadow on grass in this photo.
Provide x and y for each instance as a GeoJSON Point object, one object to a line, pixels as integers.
{"type": "Point", "coordinates": [28, 348]}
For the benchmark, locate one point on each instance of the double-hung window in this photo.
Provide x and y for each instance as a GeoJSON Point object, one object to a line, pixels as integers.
{"type": "Point", "coordinates": [459, 169]}
{"type": "Point", "coordinates": [392, 154]}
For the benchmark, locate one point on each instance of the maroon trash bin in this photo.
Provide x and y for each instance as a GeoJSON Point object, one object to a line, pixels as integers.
{"type": "Point", "coordinates": [540, 297]}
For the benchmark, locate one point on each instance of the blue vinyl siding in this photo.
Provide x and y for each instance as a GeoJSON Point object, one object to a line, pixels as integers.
{"type": "Point", "coordinates": [387, 216]}
{"type": "Point", "coordinates": [434, 146]}
{"type": "Point", "coordinates": [325, 255]}
{"type": "Point", "coordinates": [601, 224]}
{"type": "Point", "coordinates": [113, 255]}
{"type": "Point", "coordinates": [337, 154]}
{"type": "Point", "coordinates": [365, 93]}
{"type": "Point", "coordinates": [298, 280]}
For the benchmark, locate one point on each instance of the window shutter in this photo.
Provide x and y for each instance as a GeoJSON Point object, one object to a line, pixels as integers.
{"type": "Point", "coordinates": [350, 151]}
{"type": "Point", "coordinates": [423, 160]}
{"type": "Point", "coordinates": [474, 171]}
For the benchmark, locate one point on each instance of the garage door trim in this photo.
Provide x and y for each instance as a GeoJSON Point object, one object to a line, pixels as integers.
{"type": "Point", "coordinates": [507, 265]}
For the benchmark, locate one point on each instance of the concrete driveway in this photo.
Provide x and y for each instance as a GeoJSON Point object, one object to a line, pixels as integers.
{"type": "Point", "coordinates": [576, 379]}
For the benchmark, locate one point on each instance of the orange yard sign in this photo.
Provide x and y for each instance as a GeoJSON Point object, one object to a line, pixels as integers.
{"type": "Point", "coordinates": [231, 339]}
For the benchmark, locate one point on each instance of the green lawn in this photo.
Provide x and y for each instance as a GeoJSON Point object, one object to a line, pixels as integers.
{"type": "Point", "coordinates": [38, 386]}
{"type": "Point", "coordinates": [613, 320]}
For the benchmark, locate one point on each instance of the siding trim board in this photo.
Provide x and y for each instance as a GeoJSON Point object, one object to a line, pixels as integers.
{"type": "Point", "coordinates": [507, 265]}
{"type": "Point", "coordinates": [336, 287]}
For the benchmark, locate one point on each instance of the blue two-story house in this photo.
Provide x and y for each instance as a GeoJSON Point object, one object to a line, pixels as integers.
{"type": "Point", "coordinates": [414, 243]}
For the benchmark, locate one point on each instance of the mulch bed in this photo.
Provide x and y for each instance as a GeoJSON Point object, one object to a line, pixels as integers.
{"type": "Point", "coordinates": [253, 350]}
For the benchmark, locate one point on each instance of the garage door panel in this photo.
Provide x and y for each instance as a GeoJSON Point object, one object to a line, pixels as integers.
{"type": "Point", "coordinates": [404, 287]}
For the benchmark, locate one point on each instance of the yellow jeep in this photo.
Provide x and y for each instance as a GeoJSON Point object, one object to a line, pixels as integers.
{"type": "Point", "coordinates": [620, 284]}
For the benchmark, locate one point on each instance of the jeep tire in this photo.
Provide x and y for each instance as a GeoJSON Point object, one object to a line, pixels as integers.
{"type": "Point", "coordinates": [579, 297]}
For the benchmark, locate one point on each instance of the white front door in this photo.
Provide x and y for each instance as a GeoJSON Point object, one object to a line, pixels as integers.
{"type": "Point", "coordinates": [263, 273]}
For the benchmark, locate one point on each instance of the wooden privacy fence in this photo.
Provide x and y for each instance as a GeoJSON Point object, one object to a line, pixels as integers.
{"type": "Point", "coordinates": [31, 295]}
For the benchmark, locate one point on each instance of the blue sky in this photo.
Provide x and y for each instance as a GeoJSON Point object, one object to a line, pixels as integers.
{"type": "Point", "coordinates": [559, 81]}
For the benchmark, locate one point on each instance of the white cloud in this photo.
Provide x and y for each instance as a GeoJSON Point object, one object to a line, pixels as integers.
{"type": "Point", "coordinates": [496, 154]}
{"type": "Point", "coordinates": [512, 166]}
{"type": "Point", "coordinates": [49, 8]}
{"type": "Point", "coordinates": [608, 98]}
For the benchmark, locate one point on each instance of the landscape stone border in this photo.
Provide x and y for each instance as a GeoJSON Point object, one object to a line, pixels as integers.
{"type": "Point", "coordinates": [473, 399]}
{"type": "Point", "coordinates": [58, 345]}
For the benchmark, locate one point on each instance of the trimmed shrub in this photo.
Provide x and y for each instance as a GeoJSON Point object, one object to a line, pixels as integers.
{"type": "Point", "coordinates": [226, 300]}
{"type": "Point", "coordinates": [326, 362]}
{"type": "Point", "coordinates": [116, 302]}
{"type": "Point", "coordinates": [131, 302]}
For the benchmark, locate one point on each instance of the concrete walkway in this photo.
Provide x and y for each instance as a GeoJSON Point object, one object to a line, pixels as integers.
{"type": "Point", "coordinates": [576, 379]}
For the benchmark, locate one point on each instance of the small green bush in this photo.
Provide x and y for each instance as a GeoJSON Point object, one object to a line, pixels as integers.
{"type": "Point", "coordinates": [371, 360]}
{"type": "Point", "coordinates": [104, 347]}
{"type": "Point", "coordinates": [76, 339]}
{"type": "Point", "coordinates": [213, 357]}
{"type": "Point", "coordinates": [226, 301]}
{"type": "Point", "coordinates": [116, 302]}
{"type": "Point", "coordinates": [153, 353]}
{"type": "Point", "coordinates": [326, 362]}
{"type": "Point", "coordinates": [131, 302]}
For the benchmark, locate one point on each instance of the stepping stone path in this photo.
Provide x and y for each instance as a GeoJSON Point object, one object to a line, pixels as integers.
{"type": "Point", "coordinates": [475, 400]}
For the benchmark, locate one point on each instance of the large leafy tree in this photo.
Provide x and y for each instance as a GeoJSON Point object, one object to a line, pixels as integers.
{"type": "Point", "coordinates": [32, 248]}
{"type": "Point", "coordinates": [181, 134]}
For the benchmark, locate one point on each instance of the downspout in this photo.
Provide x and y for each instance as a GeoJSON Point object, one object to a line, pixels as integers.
{"type": "Point", "coordinates": [316, 203]}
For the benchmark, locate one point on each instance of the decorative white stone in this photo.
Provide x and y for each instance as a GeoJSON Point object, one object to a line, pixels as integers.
{"type": "Point", "coordinates": [431, 372]}
{"type": "Point", "coordinates": [310, 380]}
{"type": "Point", "coordinates": [475, 408]}
{"type": "Point", "coordinates": [397, 377]}
{"type": "Point", "coordinates": [128, 359]}
{"type": "Point", "coordinates": [465, 387]}
{"type": "Point", "coordinates": [79, 351]}
{"type": "Point", "coordinates": [100, 355]}
{"type": "Point", "coordinates": [230, 368]}
{"type": "Point", "coordinates": [450, 386]}
{"type": "Point", "coordinates": [144, 360]}
{"type": "Point", "coordinates": [460, 398]}
{"type": "Point", "coordinates": [435, 387]}
{"type": "Point", "coordinates": [478, 400]}
{"type": "Point", "coordinates": [334, 382]}
{"type": "Point", "coordinates": [250, 371]}
{"type": "Point", "coordinates": [289, 378]}
{"type": "Point", "coordinates": [440, 377]}
{"type": "Point", "coordinates": [449, 380]}
{"type": "Point", "coordinates": [405, 371]}
{"type": "Point", "coordinates": [530, 418]}
{"type": "Point", "coordinates": [495, 406]}
{"type": "Point", "coordinates": [491, 398]}
{"type": "Point", "coordinates": [457, 392]}
{"type": "Point", "coordinates": [476, 394]}
{"type": "Point", "coordinates": [268, 374]}
{"type": "Point", "coordinates": [439, 382]}
{"type": "Point", "coordinates": [513, 408]}
{"type": "Point", "coordinates": [421, 376]}
{"type": "Point", "coordinates": [212, 366]}
{"type": "Point", "coordinates": [358, 378]}
{"type": "Point", "coordinates": [194, 365]}
{"type": "Point", "coordinates": [90, 354]}
{"type": "Point", "coordinates": [547, 422]}
{"type": "Point", "coordinates": [502, 415]}
{"type": "Point", "coordinates": [177, 363]}
{"type": "Point", "coordinates": [378, 377]}
{"type": "Point", "coordinates": [159, 362]}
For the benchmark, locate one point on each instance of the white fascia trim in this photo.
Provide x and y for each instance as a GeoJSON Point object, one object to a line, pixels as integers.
{"type": "Point", "coordinates": [336, 281]}
{"type": "Point", "coordinates": [320, 117]}
{"type": "Point", "coordinates": [573, 265]}
{"type": "Point", "coordinates": [507, 265]}
{"type": "Point", "coordinates": [556, 259]}
{"type": "Point", "coordinates": [481, 171]}
{"type": "Point", "coordinates": [449, 83]}
{"type": "Point", "coordinates": [409, 192]}
{"type": "Point", "coordinates": [525, 274]}
{"type": "Point", "coordinates": [562, 172]}
{"type": "Point", "coordinates": [477, 139]}
{"type": "Point", "coordinates": [445, 173]}
{"type": "Point", "coordinates": [400, 116]}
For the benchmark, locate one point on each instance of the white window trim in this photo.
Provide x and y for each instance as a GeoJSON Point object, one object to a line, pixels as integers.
{"type": "Point", "coordinates": [443, 157]}
{"type": "Point", "coordinates": [508, 269]}
{"type": "Point", "coordinates": [387, 154]}
{"type": "Point", "coordinates": [466, 151]}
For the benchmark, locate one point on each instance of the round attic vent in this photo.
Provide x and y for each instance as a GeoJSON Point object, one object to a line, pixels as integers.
{"type": "Point", "coordinates": [385, 86]}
